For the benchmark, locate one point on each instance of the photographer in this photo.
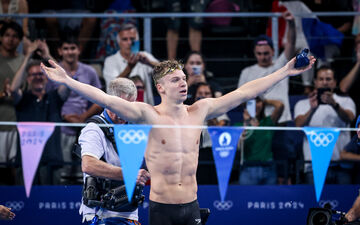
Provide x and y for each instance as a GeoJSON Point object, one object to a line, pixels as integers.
{"type": "Point", "coordinates": [35, 104]}
{"type": "Point", "coordinates": [324, 108]}
{"type": "Point", "coordinates": [100, 159]}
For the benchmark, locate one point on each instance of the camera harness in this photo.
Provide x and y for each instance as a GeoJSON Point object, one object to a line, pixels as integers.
{"type": "Point", "coordinates": [114, 198]}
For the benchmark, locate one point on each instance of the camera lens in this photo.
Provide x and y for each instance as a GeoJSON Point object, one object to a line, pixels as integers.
{"type": "Point", "coordinates": [320, 218]}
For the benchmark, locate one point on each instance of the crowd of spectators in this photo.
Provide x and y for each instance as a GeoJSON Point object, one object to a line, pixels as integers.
{"type": "Point", "coordinates": [27, 95]}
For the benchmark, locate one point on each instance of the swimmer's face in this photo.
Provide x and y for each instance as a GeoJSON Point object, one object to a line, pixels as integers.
{"type": "Point", "coordinates": [173, 85]}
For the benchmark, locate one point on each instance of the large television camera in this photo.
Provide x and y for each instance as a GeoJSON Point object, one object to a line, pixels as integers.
{"type": "Point", "coordinates": [327, 216]}
{"type": "Point", "coordinates": [111, 195]}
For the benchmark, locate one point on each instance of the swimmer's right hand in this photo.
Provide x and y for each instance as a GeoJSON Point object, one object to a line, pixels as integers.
{"type": "Point", "coordinates": [57, 73]}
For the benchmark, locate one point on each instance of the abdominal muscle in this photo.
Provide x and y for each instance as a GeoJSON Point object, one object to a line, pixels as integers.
{"type": "Point", "coordinates": [172, 166]}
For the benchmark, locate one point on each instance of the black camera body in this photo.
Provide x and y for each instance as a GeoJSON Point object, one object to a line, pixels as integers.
{"type": "Point", "coordinates": [321, 91]}
{"type": "Point", "coordinates": [323, 216]}
{"type": "Point", "coordinates": [110, 194]}
{"type": "Point", "coordinates": [327, 216]}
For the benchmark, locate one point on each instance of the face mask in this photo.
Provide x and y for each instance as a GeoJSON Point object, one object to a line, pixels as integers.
{"type": "Point", "coordinates": [196, 69]}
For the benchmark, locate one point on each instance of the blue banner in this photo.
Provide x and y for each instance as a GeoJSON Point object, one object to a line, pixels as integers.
{"type": "Point", "coordinates": [224, 143]}
{"type": "Point", "coordinates": [131, 141]}
{"type": "Point", "coordinates": [322, 142]}
{"type": "Point", "coordinates": [250, 205]}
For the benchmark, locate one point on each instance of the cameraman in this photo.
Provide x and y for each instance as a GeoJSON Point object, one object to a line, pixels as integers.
{"type": "Point", "coordinates": [324, 108]}
{"type": "Point", "coordinates": [95, 146]}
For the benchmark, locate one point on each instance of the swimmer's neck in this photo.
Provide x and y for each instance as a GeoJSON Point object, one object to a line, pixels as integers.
{"type": "Point", "coordinates": [172, 109]}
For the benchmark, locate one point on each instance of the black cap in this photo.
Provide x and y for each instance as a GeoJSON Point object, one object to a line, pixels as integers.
{"type": "Point", "coordinates": [263, 40]}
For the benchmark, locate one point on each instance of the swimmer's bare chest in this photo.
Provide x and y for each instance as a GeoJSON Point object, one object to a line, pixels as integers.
{"type": "Point", "coordinates": [173, 152]}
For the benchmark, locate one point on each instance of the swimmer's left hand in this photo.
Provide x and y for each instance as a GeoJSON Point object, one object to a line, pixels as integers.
{"type": "Point", "coordinates": [292, 71]}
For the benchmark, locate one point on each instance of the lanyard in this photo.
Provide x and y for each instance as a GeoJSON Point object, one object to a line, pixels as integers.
{"type": "Point", "coordinates": [107, 117]}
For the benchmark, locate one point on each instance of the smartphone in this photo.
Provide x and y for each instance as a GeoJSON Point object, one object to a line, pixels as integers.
{"type": "Point", "coordinates": [135, 47]}
{"type": "Point", "coordinates": [140, 95]}
{"type": "Point", "coordinates": [251, 107]}
{"type": "Point", "coordinates": [321, 91]}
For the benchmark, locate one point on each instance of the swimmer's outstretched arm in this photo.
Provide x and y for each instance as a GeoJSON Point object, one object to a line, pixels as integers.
{"type": "Point", "coordinates": [130, 111]}
{"type": "Point", "coordinates": [223, 104]}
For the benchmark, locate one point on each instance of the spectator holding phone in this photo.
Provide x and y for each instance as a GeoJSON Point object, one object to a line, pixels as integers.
{"type": "Point", "coordinates": [196, 73]}
{"type": "Point", "coordinates": [324, 108]}
{"type": "Point", "coordinates": [129, 61]}
{"type": "Point", "coordinates": [259, 168]}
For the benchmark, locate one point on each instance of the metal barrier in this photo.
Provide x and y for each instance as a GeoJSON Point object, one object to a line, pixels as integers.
{"type": "Point", "coordinates": [290, 169]}
{"type": "Point", "coordinates": [147, 17]}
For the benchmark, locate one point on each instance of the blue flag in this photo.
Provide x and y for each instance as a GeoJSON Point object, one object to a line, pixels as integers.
{"type": "Point", "coordinates": [319, 34]}
{"type": "Point", "coordinates": [224, 143]}
{"type": "Point", "coordinates": [131, 142]}
{"type": "Point", "coordinates": [322, 142]}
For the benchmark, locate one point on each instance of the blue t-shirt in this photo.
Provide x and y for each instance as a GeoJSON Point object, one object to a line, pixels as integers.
{"type": "Point", "coordinates": [353, 146]}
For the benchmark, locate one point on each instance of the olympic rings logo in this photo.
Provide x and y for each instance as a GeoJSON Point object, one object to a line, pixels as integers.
{"type": "Point", "coordinates": [15, 205]}
{"type": "Point", "coordinates": [333, 203]}
{"type": "Point", "coordinates": [132, 136]}
{"type": "Point", "coordinates": [226, 205]}
{"type": "Point", "coordinates": [321, 139]}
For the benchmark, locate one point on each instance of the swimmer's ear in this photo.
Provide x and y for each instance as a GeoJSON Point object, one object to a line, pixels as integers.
{"type": "Point", "coordinates": [159, 88]}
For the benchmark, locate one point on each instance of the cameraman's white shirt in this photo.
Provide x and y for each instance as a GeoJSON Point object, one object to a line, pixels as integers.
{"type": "Point", "coordinates": [94, 143]}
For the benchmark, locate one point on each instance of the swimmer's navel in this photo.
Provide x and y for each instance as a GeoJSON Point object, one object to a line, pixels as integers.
{"type": "Point", "coordinates": [163, 141]}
